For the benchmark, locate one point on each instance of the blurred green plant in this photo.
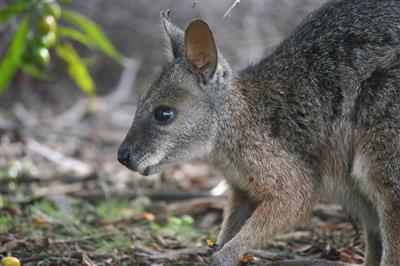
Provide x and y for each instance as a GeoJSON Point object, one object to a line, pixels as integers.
{"type": "Point", "coordinates": [46, 29]}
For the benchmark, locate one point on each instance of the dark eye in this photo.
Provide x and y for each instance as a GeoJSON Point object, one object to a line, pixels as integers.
{"type": "Point", "coordinates": [164, 114]}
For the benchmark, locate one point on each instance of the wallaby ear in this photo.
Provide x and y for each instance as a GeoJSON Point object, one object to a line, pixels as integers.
{"type": "Point", "coordinates": [200, 48]}
{"type": "Point", "coordinates": [174, 35]}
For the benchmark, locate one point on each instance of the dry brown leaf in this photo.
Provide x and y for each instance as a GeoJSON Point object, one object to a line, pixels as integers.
{"type": "Point", "coordinates": [46, 242]}
{"type": "Point", "coordinates": [210, 243]}
{"type": "Point", "coordinates": [13, 244]}
{"type": "Point", "coordinates": [247, 258]}
{"type": "Point", "coordinates": [42, 220]}
{"type": "Point", "coordinates": [148, 216]}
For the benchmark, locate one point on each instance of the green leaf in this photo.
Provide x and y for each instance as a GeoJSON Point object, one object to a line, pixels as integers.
{"type": "Point", "coordinates": [11, 10]}
{"type": "Point", "coordinates": [34, 71]}
{"type": "Point", "coordinates": [12, 57]}
{"type": "Point", "coordinates": [76, 68]}
{"type": "Point", "coordinates": [92, 30]}
{"type": "Point", "coordinates": [76, 36]}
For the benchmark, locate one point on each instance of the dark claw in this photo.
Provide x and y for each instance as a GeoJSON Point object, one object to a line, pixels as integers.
{"type": "Point", "coordinates": [214, 247]}
{"type": "Point", "coordinates": [165, 14]}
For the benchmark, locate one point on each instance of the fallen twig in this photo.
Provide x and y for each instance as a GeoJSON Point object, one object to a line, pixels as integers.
{"type": "Point", "coordinates": [162, 195]}
{"type": "Point", "coordinates": [268, 255]}
{"type": "Point", "coordinates": [197, 205]}
{"type": "Point", "coordinates": [308, 262]}
{"type": "Point", "coordinates": [70, 163]}
{"type": "Point", "coordinates": [171, 254]}
{"type": "Point", "coordinates": [24, 116]}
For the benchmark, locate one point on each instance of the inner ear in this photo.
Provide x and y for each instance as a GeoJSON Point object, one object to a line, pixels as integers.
{"type": "Point", "coordinates": [200, 47]}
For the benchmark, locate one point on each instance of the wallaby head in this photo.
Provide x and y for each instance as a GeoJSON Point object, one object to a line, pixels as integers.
{"type": "Point", "coordinates": [176, 117]}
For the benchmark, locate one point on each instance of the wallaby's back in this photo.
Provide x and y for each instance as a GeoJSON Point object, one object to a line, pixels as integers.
{"type": "Point", "coordinates": [323, 73]}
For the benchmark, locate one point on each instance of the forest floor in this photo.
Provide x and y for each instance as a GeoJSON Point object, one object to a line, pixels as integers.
{"type": "Point", "coordinates": [65, 200]}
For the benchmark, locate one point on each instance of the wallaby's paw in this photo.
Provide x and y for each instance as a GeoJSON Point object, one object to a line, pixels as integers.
{"type": "Point", "coordinates": [221, 261]}
{"type": "Point", "coordinates": [305, 262]}
{"type": "Point", "coordinates": [224, 257]}
{"type": "Point", "coordinates": [165, 15]}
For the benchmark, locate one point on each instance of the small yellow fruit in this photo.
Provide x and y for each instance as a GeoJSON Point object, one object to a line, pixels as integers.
{"type": "Point", "coordinates": [10, 261]}
{"type": "Point", "coordinates": [46, 24]}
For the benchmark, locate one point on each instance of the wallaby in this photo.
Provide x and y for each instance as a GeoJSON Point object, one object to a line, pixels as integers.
{"type": "Point", "coordinates": [320, 115]}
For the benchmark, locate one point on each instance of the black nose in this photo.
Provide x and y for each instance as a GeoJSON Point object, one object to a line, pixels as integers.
{"type": "Point", "coordinates": [124, 157]}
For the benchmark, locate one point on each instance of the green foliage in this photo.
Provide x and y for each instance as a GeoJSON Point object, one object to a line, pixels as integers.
{"type": "Point", "coordinates": [76, 68]}
{"type": "Point", "coordinates": [41, 30]}
{"type": "Point", "coordinates": [11, 10]}
{"type": "Point", "coordinates": [182, 227]}
{"type": "Point", "coordinates": [77, 36]}
{"type": "Point", "coordinates": [7, 222]}
{"type": "Point", "coordinates": [111, 210]}
{"type": "Point", "coordinates": [12, 57]}
{"type": "Point", "coordinates": [94, 32]}
{"type": "Point", "coordinates": [34, 71]}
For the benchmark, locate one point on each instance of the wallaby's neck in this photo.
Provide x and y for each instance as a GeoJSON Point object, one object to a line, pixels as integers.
{"type": "Point", "coordinates": [242, 138]}
{"type": "Point", "coordinates": [235, 125]}
{"type": "Point", "coordinates": [266, 110]}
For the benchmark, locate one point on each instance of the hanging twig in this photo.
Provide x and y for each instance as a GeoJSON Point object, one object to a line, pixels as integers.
{"type": "Point", "coordinates": [232, 6]}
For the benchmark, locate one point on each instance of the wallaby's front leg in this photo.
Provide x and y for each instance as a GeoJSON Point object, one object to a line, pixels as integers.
{"type": "Point", "coordinates": [379, 161]}
{"type": "Point", "coordinates": [238, 210]}
{"type": "Point", "coordinates": [274, 214]}
{"type": "Point", "coordinates": [373, 246]}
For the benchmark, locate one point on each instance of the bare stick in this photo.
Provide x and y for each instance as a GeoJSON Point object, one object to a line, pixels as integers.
{"type": "Point", "coordinates": [119, 94]}
{"type": "Point", "coordinates": [124, 87]}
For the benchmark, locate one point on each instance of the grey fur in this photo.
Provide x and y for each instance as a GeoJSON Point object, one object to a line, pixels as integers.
{"type": "Point", "coordinates": [320, 115]}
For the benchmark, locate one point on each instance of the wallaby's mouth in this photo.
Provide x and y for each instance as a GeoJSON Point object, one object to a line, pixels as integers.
{"type": "Point", "coordinates": [153, 168]}
{"type": "Point", "coordinates": [147, 171]}
{"type": "Point", "coordinates": [144, 171]}
{"type": "Point", "coordinates": [144, 165]}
